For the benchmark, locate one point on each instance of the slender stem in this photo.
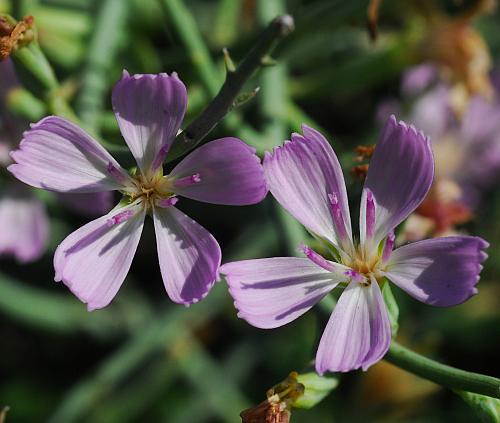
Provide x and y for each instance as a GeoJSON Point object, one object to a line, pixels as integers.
{"type": "Point", "coordinates": [224, 100]}
{"type": "Point", "coordinates": [442, 374]}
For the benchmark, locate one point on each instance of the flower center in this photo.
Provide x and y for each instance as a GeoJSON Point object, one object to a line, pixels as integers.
{"type": "Point", "coordinates": [363, 264]}
{"type": "Point", "coordinates": [151, 190]}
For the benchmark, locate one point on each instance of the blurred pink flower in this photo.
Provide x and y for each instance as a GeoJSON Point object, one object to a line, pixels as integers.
{"type": "Point", "coordinates": [466, 149]}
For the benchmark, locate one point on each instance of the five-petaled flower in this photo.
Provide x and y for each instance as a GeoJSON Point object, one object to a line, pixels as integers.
{"type": "Point", "coordinates": [93, 261]}
{"type": "Point", "coordinates": [304, 175]}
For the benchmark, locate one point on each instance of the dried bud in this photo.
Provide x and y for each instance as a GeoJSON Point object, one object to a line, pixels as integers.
{"type": "Point", "coordinates": [360, 172]}
{"type": "Point", "coordinates": [276, 408]}
{"type": "Point", "coordinates": [444, 207]}
{"type": "Point", "coordinates": [364, 152]}
{"type": "Point", "coordinates": [14, 34]}
{"type": "Point", "coordinates": [268, 411]}
{"type": "Point", "coordinates": [372, 15]}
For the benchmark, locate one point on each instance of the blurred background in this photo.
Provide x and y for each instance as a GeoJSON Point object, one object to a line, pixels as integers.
{"type": "Point", "coordinates": [347, 66]}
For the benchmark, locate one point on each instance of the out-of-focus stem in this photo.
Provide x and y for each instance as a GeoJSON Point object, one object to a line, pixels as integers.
{"type": "Point", "coordinates": [188, 32]}
{"type": "Point", "coordinates": [274, 102]}
{"type": "Point", "coordinates": [442, 374]}
{"type": "Point", "coordinates": [101, 53]}
{"type": "Point", "coordinates": [153, 337]}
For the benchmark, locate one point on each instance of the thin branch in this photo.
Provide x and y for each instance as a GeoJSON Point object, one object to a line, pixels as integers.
{"type": "Point", "coordinates": [279, 28]}
{"type": "Point", "coordinates": [442, 374]}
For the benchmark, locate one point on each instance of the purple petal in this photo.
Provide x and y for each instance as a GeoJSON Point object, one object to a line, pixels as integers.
{"type": "Point", "coordinates": [399, 176]}
{"type": "Point", "coordinates": [24, 223]}
{"type": "Point", "coordinates": [358, 333]}
{"type": "Point", "coordinates": [91, 204]}
{"type": "Point", "coordinates": [94, 260]}
{"type": "Point", "coordinates": [439, 271]}
{"type": "Point", "coordinates": [481, 121]}
{"type": "Point", "coordinates": [301, 175]}
{"type": "Point", "coordinates": [229, 173]}
{"type": "Point", "coordinates": [9, 78]}
{"type": "Point", "coordinates": [418, 78]}
{"type": "Point", "coordinates": [432, 113]}
{"type": "Point", "coordinates": [189, 255]}
{"type": "Point", "coordinates": [149, 110]}
{"type": "Point", "coordinates": [57, 155]}
{"type": "Point", "coordinates": [272, 292]}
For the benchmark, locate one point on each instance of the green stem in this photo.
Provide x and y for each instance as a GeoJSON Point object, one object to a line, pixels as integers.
{"type": "Point", "coordinates": [429, 369]}
{"type": "Point", "coordinates": [224, 100]}
{"type": "Point", "coordinates": [442, 374]}
{"type": "Point", "coordinates": [88, 393]}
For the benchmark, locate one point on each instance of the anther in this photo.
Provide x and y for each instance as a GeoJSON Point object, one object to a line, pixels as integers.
{"type": "Point", "coordinates": [389, 245]}
{"type": "Point", "coordinates": [119, 218]}
{"type": "Point", "coordinates": [355, 276]}
{"type": "Point", "coordinates": [316, 258]}
{"type": "Point", "coordinates": [160, 157]}
{"type": "Point", "coordinates": [338, 220]}
{"type": "Point", "coordinates": [115, 173]}
{"type": "Point", "coordinates": [187, 181]}
{"type": "Point", "coordinates": [370, 214]}
{"type": "Point", "coordinates": [168, 202]}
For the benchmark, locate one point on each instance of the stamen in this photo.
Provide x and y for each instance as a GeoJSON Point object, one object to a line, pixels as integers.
{"type": "Point", "coordinates": [160, 157]}
{"type": "Point", "coordinates": [355, 276]}
{"type": "Point", "coordinates": [389, 245]}
{"type": "Point", "coordinates": [187, 181]}
{"type": "Point", "coordinates": [370, 214]}
{"type": "Point", "coordinates": [316, 258]}
{"type": "Point", "coordinates": [338, 220]}
{"type": "Point", "coordinates": [120, 218]}
{"type": "Point", "coordinates": [115, 173]}
{"type": "Point", "coordinates": [168, 202]}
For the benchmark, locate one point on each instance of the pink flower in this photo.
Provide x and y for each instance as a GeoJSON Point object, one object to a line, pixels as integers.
{"type": "Point", "coordinates": [304, 175]}
{"type": "Point", "coordinates": [94, 260]}
{"type": "Point", "coordinates": [24, 223]}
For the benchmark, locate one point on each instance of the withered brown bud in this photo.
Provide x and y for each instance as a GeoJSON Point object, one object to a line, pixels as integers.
{"type": "Point", "coordinates": [14, 35]}
{"type": "Point", "coordinates": [276, 408]}
{"type": "Point", "coordinates": [372, 15]}
{"type": "Point", "coordinates": [364, 152]}
{"type": "Point", "coordinates": [268, 411]}
{"type": "Point", "coordinates": [445, 213]}
{"type": "Point", "coordinates": [360, 172]}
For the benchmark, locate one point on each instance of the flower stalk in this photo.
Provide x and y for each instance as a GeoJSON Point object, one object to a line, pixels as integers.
{"type": "Point", "coordinates": [279, 28]}
{"type": "Point", "coordinates": [442, 374]}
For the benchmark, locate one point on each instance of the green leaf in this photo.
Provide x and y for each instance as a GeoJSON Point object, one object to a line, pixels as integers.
{"type": "Point", "coordinates": [486, 408]}
{"type": "Point", "coordinates": [316, 388]}
{"type": "Point", "coordinates": [392, 307]}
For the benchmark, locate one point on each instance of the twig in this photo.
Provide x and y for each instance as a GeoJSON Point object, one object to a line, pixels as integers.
{"type": "Point", "coordinates": [279, 28]}
{"type": "Point", "coordinates": [442, 374]}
